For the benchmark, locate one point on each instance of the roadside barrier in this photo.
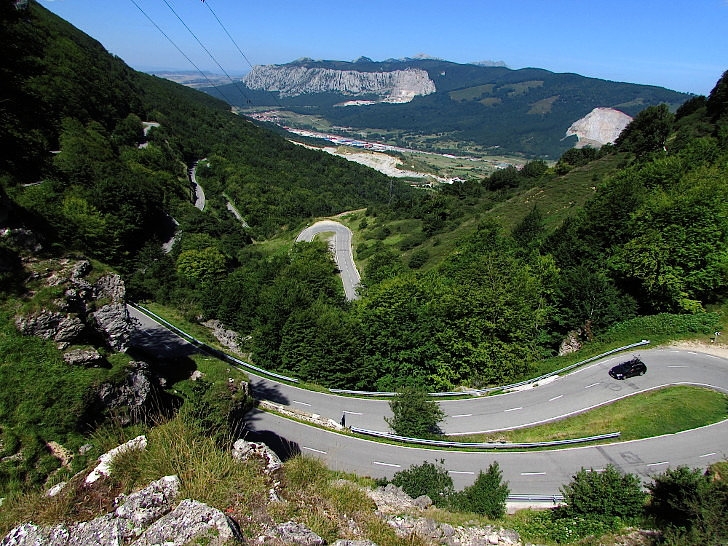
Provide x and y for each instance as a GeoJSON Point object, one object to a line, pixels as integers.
{"type": "Point", "coordinates": [555, 499]}
{"type": "Point", "coordinates": [480, 392]}
{"type": "Point", "coordinates": [210, 350]}
{"type": "Point", "coordinates": [484, 445]}
{"type": "Point", "coordinates": [471, 392]}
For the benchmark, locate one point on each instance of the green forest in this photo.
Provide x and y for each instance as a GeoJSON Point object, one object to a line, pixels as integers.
{"type": "Point", "coordinates": [521, 112]}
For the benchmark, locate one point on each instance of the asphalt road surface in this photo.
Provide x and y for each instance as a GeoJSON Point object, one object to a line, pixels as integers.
{"type": "Point", "coordinates": [532, 472]}
{"type": "Point", "coordinates": [341, 245]}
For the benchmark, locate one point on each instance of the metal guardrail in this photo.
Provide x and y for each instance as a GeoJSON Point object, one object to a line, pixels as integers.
{"type": "Point", "coordinates": [484, 445]}
{"type": "Point", "coordinates": [480, 392]}
{"type": "Point", "coordinates": [472, 392]}
{"type": "Point", "coordinates": [210, 350]}
{"type": "Point", "coordinates": [555, 499]}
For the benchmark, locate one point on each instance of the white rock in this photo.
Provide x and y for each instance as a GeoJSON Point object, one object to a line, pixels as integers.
{"type": "Point", "coordinates": [104, 466]}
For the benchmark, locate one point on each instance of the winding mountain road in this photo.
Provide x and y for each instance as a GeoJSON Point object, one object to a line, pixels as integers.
{"type": "Point", "coordinates": [541, 472]}
{"type": "Point", "coordinates": [343, 255]}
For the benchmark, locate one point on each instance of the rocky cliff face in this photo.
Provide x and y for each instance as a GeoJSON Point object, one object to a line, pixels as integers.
{"type": "Point", "coordinates": [291, 81]}
{"type": "Point", "coordinates": [600, 126]}
{"type": "Point", "coordinates": [102, 305]}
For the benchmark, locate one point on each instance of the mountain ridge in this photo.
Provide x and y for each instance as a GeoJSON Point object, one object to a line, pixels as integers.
{"type": "Point", "coordinates": [523, 111]}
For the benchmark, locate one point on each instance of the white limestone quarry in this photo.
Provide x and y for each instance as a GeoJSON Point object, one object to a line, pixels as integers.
{"type": "Point", "coordinates": [600, 126]}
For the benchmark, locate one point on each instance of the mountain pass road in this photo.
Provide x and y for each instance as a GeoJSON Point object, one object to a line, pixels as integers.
{"type": "Point", "coordinates": [527, 472]}
{"type": "Point", "coordinates": [341, 246]}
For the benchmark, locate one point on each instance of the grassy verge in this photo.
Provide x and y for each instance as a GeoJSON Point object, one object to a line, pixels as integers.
{"type": "Point", "coordinates": [664, 411]}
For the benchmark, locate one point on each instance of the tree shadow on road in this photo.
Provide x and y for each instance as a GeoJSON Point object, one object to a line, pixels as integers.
{"type": "Point", "coordinates": [264, 390]}
{"type": "Point", "coordinates": [284, 448]}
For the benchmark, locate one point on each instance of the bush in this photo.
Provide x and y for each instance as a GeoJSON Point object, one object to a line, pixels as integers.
{"type": "Point", "coordinates": [487, 496]}
{"type": "Point", "coordinates": [418, 258]}
{"type": "Point", "coordinates": [605, 494]}
{"type": "Point", "coordinates": [429, 479]}
{"type": "Point", "coordinates": [690, 506]}
{"type": "Point", "coordinates": [664, 324]}
{"type": "Point", "coordinates": [414, 414]}
{"type": "Point", "coordinates": [552, 526]}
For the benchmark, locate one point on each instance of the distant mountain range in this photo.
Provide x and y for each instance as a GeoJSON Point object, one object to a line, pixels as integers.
{"type": "Point", "coordinates": [526, 111]}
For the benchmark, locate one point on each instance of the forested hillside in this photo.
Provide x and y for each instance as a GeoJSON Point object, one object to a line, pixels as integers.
{"type": "Point", "coordinates": [525, 111]}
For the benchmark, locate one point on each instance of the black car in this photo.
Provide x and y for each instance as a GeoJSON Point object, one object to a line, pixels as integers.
{"type": "Point", "coordinates": [628, 369]}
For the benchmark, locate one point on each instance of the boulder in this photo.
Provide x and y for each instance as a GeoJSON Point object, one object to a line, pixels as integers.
{"type": "Point", "coordinates": [191, 520]}
{"type": "Point", "coordinates": [87, 358]}
{"type": "Point", "coordinates": [50, 325]}
{"type": "Point", "coordinates": [393, 500]}
{"type": "Point", "coordinates": [110, 287]}
{"type": "Point", "coordinates": [570, 344]}
{"type": "Point", "coordinates": [291, 532]}
{"type": "Point", "coordinates": [115, 323]}
{"type": "Point", "coordinates": [142, 508]}
{"type": "Point", "coordinates": [243, 450]}
{"type": "Point", "coordinates": [139, 394]}
{"type": "Point", "coordinates": [228, 338]}
{"type": "Point", "coordinates": [141, 519]}
{"type": "Point", "coordinates": [104, 466]}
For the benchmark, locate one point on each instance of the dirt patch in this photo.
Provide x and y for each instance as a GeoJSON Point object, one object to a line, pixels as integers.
{"type": "Point", "coordinates": [716, 349]}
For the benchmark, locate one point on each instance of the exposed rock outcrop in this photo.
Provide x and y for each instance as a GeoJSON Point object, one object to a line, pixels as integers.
{"type": "Point", "coordinates": [53, 325]}
{"type": "Point", "coordinates": [229, 338]}
{"type": "Point", "coordinates": [68, 321]}
{"type": "Point", "coordinates": [600, 126]}
{"type": "Point", "coordinates": [294, 80]}
{"type": "Point", "coordinates": [87, 358]}
{"type": "Point", "coordinates": [571, 343]}
{"type": "Point", "coordinates": [104, 466]}
{"type": "Point", "coordinates": [291, 532]}
{"type": "Point", "coordinates": [396, 507]}
{"type": "Point", "coordinates": [114, 322]}
{"type": "Point", "coordinates": [244, 450]}
{"type": "Point", "coordinates": [140, 519]}
{"type": "Point", "coordinates": [139, 394]}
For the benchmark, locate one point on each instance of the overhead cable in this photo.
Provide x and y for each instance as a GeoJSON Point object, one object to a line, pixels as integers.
{"type": "Point", "coordinates": [179, 49]}
{"type": "Point", "coordinates": [242, 92]}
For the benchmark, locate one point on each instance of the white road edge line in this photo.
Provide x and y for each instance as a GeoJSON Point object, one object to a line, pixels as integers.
{"type": "Point", "coordinates": [314, 450]}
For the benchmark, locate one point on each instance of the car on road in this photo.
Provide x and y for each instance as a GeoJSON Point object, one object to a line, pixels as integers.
{"type": "Point", "coordinates": [628, 369]}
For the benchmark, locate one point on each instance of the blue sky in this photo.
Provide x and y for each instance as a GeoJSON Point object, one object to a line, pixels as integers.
{"type": "Point", "coordinates": [678, 44]}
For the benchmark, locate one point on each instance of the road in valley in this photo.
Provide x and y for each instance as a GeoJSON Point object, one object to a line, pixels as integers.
{"type": "Point", "coordinates": [343, 254]}
{"type": "Point", "coordinates": [541, 472]}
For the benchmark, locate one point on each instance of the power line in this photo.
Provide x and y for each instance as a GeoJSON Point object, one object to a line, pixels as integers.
{"type": "Point", "coordinates": [207, 51]}
{"type": "Point", "coordinates": [207, 4]}
{"type": "Point", "coordinates": [178, 49]}
{"type": "Point", "coordinates": [245, 58]}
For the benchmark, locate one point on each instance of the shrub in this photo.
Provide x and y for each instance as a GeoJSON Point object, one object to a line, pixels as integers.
{"type": "Point", "coordinates": [552, 526]}
{"type": "Point", "coordinates": [414, 414]}
{"type": "Point", "coordinates": [604, 494]}
{"type": "Point", "coordinates": [690, 506]}
{"type": "Point", "coordinates": [418, 258]}
{"type": "Point", "coordinates": [429, 479]}
{"type": "Point", "coordinates": [487, 496]}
